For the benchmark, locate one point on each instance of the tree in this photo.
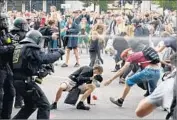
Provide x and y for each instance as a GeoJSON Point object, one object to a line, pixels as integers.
{"type": "Point", "coordinates": [103, 3]}
{"type": "Point", "coordinates": [169, 4]}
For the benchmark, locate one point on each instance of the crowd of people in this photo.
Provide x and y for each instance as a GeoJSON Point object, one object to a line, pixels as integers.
{"type": "Point", "coordinates": [141, 44]}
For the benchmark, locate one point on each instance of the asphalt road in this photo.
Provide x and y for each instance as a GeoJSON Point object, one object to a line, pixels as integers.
{"type": "Point", "coordinates": [103, 109]}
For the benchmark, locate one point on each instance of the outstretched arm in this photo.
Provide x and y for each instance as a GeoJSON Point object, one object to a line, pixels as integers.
{"type": "Point", "coordinates": [118, 74]}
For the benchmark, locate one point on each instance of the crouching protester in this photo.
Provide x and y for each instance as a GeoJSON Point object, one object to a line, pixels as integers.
{"type": "Point", "coordinates": [86, 79]}
{"type": "Point", "coordinates": [27, 61]}
{"type": "Point", "coordinates": [148, 60]}
{"type": "Point", "coordinates": [157, 98]}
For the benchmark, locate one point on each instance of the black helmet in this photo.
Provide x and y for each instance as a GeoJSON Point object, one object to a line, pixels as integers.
{"type": "Point", "coordinates": [135, 21]}
{"type": "Point", "coordinates": [33, 36]}
{"type": "Point", "coordinates": [3, 21]}
{"type": "Point", "coordinates": [20, 24]}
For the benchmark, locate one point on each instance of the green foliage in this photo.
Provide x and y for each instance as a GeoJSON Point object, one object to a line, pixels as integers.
{"type": "Point", "coordinates": [170, 4]}
{"type": "Point", "coordinates": [103, 3]}
{"type": "Point", "coordinates": [88, 3]}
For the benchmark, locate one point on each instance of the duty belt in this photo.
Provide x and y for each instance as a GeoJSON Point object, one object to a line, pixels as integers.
{"type": "Point", "coordinates": [29, 79]}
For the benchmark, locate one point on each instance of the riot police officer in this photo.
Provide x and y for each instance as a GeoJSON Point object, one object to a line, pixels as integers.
{"type": "Point", "coordinates": [27, 61]}
{"type": "Point", "coordinates": [6, 76]}
{"type": "Point", "coordinates": [19, 30]}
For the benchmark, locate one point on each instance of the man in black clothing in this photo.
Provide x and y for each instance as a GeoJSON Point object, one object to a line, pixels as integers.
{"type": "Point", "coordinates": [82, 78]}
{"type": "Point", "coordinates": [18, 31]}
{"type": "Point", "coordinates": [27, 61]}
{"type": "Point", "coordinates": [7, 90]}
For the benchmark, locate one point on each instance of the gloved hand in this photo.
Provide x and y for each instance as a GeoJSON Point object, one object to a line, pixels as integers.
{"type": "Point", "coordinates": [61, 51]}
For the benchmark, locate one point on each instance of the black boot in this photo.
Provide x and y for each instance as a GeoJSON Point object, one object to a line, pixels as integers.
{"type": "Point", "coordinates": [146, 94]}
{"type": "Point", "coordinates": [18, 104]}
{"type": "Point", "coordinates": [53, 106]}
{"type": "Point", "coordinates": [81, 106]}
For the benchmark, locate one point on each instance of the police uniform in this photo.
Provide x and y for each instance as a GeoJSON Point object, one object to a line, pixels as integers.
{"type": "Point", "coordinates": [18, 31]}
{"type": "Point", "coordinates": [27, 61]}
{"type": "Point", "coordinates": [6, 76]}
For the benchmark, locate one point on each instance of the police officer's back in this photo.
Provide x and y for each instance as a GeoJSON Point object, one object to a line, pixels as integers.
{"type": "Point", "coordinates": [27, 61]}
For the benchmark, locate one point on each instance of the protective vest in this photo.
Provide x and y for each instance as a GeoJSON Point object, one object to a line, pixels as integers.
{"type": "Point", "coordinates": [18, 59]}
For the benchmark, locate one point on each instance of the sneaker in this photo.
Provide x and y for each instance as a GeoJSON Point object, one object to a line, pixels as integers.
{"type": "Point", "coordinates": [118, 102]}
{"type": "Point", "coordinates": [18, 105]}
{"type": "Point", "coordinates": [122, 81]}
{"type": "Point", "coordinates": [81, 106]}
{"type": "Point", "coordinates": [114, 70]}
{"type": "Point", "coordinates": [146, 94]}
{"type": "Point", "coordinates": [53, 106]}
{"type": "Point", "coordinates": [64, 65]}
{"type": "Point", "coordinates": [76, 65]}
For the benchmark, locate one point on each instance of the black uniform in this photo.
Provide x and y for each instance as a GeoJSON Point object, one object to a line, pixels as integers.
{"type": "Point", "coordinates": [7, 91]}
{"type": "Point", "coordinates": [18, 32]}
{"type": "Point", "coordinates": [82, 75]}
{"type": "Point", "coordinates": [27, 61]}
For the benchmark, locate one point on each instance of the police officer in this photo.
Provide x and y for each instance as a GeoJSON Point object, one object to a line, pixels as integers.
{"type": "Point", "coordinates": [6, 76]}
{"type": "Point", "coordinates": [27, 60]}
{"type": "Point", "coordinates": [19, 30]}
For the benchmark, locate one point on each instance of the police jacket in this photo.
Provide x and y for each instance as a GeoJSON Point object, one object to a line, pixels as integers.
{"type": "Point", "coordinates": [82, 75]}
{"type": "Point", "coordinates": [28, 58]}
{"type": "Point", "coordinates": [5, 53]}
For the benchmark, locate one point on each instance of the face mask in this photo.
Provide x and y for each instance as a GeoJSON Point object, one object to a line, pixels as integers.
{"type": "Point", "coordinates": [96, 83]}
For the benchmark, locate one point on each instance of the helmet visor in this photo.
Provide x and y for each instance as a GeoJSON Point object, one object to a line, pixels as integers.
{"type": "Point", "coordinates": [41, 42]}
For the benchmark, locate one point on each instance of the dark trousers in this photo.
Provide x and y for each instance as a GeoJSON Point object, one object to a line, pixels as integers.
{"type": "Point", "coordinates": [93, 57]}
{"type": "Point", "coordinates": [133, 67]}
{"type": "Point", "coordinates": [18, 99]}
{"type": "Point", "coordinates": [7, 93]}
{"type": "Point", "coordinates": [34, 98]}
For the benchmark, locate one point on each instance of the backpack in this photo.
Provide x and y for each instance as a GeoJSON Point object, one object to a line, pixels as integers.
{"type": "Point", "coordinates": [145, 30]}
{"type": "Point", "coordinates": [151, 55]}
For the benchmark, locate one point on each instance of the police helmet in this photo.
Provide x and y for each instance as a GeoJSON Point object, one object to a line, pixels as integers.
{"type": "Point", "coordinates": [35, 36]}
{"type": "Point", "coordinates": [20, 24]}
{"type": "Point", "coordinates": [3, 21]}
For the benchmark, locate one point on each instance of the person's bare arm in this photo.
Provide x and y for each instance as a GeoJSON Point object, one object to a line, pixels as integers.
{"type": "Point", "coordinates": [119, 73]}
{"type": "Point", "coordinates": [160, 48]}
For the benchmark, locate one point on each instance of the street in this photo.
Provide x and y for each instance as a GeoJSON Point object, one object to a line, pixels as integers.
{"type": "Point", "coordinates": [103, 109]}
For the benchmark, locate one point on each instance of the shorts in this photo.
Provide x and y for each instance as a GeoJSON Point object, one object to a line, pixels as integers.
{"type": "Point", "coordinates": [70, 48]}
{"type": "Point", "coordinates": [148, 74]}
{"type": "Point", "coordinates": [163, 94]}
{"type": "Point", "coordinates": [71, 84]}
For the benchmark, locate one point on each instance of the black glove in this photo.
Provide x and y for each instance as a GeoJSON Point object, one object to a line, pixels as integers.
{"type": "Point", "coordinates": [98, 78]}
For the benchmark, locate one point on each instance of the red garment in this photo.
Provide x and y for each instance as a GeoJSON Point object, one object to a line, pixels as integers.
{"type": "Point", "coordinates": [138, 57]}
{"type": "Point", "coordinates": [42, 22]}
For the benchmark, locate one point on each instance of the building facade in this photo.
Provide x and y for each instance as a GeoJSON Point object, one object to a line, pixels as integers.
{"type": "Point", "coordinates": [43, 5]}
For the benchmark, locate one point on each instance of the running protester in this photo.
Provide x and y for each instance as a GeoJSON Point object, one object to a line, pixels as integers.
{"type": "Point", "coordinates": [156, 99]}
{"type": "Point", "coordinates": [148, 60]}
